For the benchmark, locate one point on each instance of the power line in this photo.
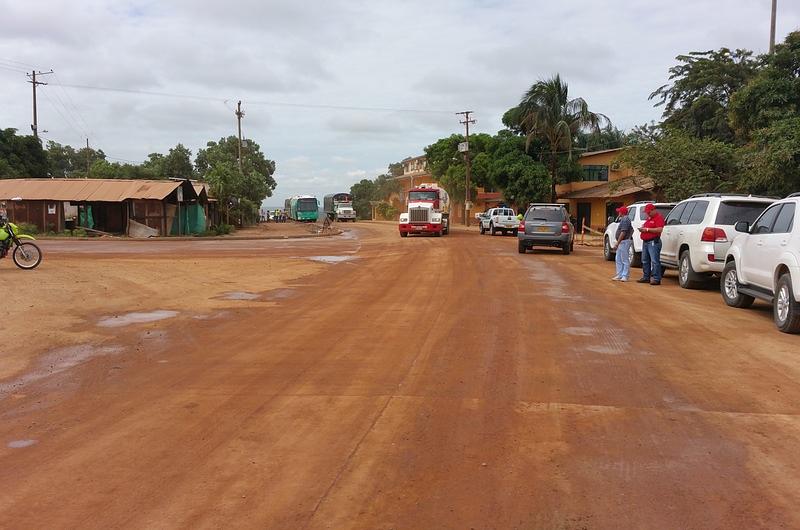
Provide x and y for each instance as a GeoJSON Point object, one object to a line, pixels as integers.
{"type": "Point", "coordinates": [255, 102]}
{"type": "Point", "coordinates": [12, 69]}
{"type": "Point", "coordinates": [86, 127]}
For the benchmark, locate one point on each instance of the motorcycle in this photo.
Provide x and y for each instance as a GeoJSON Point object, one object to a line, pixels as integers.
{"type": "Point", "coordinates": [26, 255]}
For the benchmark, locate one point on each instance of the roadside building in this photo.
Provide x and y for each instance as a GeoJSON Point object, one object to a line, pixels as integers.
{"type": "Point", "coordinates": [154, 207]}
{"type": "Point", "coordinates": [606, 185]}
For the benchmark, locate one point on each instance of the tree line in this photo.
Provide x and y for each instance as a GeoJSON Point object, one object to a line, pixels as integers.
{"type": "Point", "coordinates": [240, 191]}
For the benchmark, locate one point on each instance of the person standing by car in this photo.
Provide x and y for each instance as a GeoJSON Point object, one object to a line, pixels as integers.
{"type": "Point", "coordinates": [624, 237]}
{"type": "Point", "coordinates": [651, 246]}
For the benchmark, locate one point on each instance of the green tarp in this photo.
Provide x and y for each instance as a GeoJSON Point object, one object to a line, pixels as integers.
{"type": "Point", "coordinates": [192, 220]}
{"type": "Point", "coordinates": [85, 218]}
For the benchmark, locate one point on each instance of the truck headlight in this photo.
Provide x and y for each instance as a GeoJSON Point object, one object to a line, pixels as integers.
{"type": "Point", "coordinates": [403, 218]}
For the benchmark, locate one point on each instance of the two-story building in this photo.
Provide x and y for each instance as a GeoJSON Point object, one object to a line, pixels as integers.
{"type": "Point", "coordinates": [606, 185]}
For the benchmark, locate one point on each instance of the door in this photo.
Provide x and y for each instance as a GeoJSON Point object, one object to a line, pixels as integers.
{"type": "Point", "coordinates": [670, 234]}
{"type": "Point", "coordinates": [584, 215]}
{"type": "Point", "coordinates": [757, 252]}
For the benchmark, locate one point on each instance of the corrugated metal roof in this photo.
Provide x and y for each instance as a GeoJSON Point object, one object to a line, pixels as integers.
{"type": "Point", "coordinates": [86, 190]}
{"type": "Point", "coordinates": [617, 188]}
{"type": "Point", "coordinates": [601, 152]}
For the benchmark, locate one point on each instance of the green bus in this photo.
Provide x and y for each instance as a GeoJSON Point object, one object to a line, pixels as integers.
{"type": "Point", "coordinates": [303, 208]}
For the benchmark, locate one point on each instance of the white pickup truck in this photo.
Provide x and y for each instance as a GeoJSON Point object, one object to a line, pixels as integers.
{"type": "Point", "coordinates": [500, 220]}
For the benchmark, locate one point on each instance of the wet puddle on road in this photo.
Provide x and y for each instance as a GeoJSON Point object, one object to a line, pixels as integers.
{"type": "Point", "coordinates": [57, 361]}
{"type": "Point", "coordinates": [127, 319]}
{"type": "Point", "coordinates": [279, 294]}
{"type": "Point", "coordinates": [19, 444]}
{"type": "Point", "coordinates": [240, 295]}
{"type": "Point", "coordinates": [331, 259]}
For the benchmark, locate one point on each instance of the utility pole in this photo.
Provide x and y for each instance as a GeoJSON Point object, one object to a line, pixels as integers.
{"type": "Point", "coordinates": [772, 27]}
{"type": "Point", "coordinates": [34, 82]}
{"type": "Point", "coordinates": [88, 158]}
{"type": "Point", "coordinates": [466, 122]}
{"type": "Point", "coordinates": [239, 116]}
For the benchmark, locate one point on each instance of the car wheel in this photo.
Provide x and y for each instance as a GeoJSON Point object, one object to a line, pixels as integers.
{"type": "Point", "coordinates": [483, 230]}
{"type": "Point", "coordinates": [515, 232]}
{"type": "Point", "coordinates": [687, 278]}
{"type": "Point", "coordinates": [608, 253]}
{"type": "Point", "coordinates": [729, 286]}
{"type": "Point", "coordinates": [521, 248]}
{"type": "Point", "coordinates": [572, 246]}
{"type": "Point", "coordinates": [565, 249]}
{"type": "Point", "coordinates": [786, 310]}
{"type": "Point", "coordinates": [491, 229]}
{"type": "Point", "coordinates": [635, 258]}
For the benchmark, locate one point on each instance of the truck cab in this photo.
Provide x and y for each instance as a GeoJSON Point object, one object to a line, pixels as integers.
{"type": "Point", "coordinates": [428, 211]}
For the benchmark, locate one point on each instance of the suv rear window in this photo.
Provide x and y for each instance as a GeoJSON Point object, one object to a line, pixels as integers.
{"type": "Point", "coordinates": [552, 214]}
{"type": "Point", "coordinates": [731, 212]}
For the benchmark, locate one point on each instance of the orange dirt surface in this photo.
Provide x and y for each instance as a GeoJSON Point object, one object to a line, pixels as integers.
{"type": "Point", "coordinates": [369, 381]}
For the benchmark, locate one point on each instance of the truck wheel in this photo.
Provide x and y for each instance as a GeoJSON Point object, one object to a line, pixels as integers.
{"type": "Point", "coordinates": [786, 310]}
{"type": "Point", "coordinates": [437, 234]}
{"type": "Point", "coordinates": [521, 248]}
{"type": "Point", "coordinates": [636, 258]}
{"type": "Point", "coordinates": [608, 253]}
{"type": "Point", "coordinates": [492, 229]}
{"type": "Point", "coordinates": [515, 232]}
{"type": "Point", "coordinates": [687, 278]}
{"type": "Point", "coordinates": [403, 234]}
{"type": "Point", "coordinates": [729, 286]}
{"type": "Point", "coordinates": [483, 230]}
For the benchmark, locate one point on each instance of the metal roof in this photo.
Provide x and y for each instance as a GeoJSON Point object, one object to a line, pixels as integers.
{"type": "Point", "coordinates": [617, 188]}
{"type": "Point", "coordinates": [87, 190]}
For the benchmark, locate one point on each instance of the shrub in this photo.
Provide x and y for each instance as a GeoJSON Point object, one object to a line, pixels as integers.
{"type": "Point", "coordinates": [27, 228]}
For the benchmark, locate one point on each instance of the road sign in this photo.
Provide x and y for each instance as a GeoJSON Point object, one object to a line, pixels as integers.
{"type": "Point", "coordinates": [463, 147]}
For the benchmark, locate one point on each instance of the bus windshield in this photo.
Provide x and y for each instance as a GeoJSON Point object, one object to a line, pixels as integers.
{"type": "Point", "coordinates": [423, 195]}
{"type": "Point", "coordinates": [306, 205]}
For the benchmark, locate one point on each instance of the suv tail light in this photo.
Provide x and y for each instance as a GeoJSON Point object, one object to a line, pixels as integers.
{"type": "Point", "coordinates": [565, 228]}
{"type": "Point", "coordinates": [522, 226]}
{"type": "Point", "coordinates": [713, 234]}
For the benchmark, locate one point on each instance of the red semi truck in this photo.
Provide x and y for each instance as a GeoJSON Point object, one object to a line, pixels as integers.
{"type": "Point", "coordinates": [428, 211]}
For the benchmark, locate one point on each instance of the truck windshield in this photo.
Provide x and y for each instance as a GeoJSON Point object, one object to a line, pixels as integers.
{"type": "Point", "coordinates": [306, 205]}
{"type": "Point", "coordinates": [423, 195]}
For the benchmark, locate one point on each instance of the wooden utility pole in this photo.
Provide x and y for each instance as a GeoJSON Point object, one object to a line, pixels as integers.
{"type": "Point", "coordinates": [772, 27]}
{"type": "Point", "coordinates": [34, 82]}
{"type": "Point", "coordinates": [466, 122]}
{"type": "Point", "coordinates": [88, 158]}
{"type": "Point", "coordinates": [239, 116]}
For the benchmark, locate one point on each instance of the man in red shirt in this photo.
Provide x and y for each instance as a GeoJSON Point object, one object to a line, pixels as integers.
{"type": "Point", "coordinates": [651, 246]}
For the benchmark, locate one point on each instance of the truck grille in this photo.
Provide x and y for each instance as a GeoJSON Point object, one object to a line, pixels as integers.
{"type": "Point", "coordinates": [418, 215]}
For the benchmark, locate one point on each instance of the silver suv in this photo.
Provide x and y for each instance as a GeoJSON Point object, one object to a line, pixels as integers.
{"type": "Point", "coordinates": [699, 231]}
{"type": "Point", "coordinates": [546, 225]}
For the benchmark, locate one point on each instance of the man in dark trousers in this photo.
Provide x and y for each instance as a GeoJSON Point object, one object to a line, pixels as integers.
{"type": "Point", "coordinates": [651, 246]}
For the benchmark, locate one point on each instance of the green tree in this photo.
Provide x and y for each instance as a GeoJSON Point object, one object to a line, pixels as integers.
{"type": "Point", "coordinates": [681, 165]}
{"type": "Point", "coordinates": [701, 86]}
{"type": "Point", "coordinates": [773, 95]}
{"type": "Point", "coordinates": [772, 160]}
{"type": "Point", "coordinates": [240, 193]}
{"type": "Point", "coordinates": [176, 164]}
{"type": "Point", "coordinates": [546, 112]}
{"type": "Point", "coordinates": [21, 156]}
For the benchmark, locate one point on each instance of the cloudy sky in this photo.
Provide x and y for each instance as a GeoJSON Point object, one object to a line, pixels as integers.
{"type": "Point", "coordinates": [335, 90]}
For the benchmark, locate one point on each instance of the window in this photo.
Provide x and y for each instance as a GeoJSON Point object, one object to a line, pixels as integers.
{"type": "Point", "coordinates": [595, 173]}
{"type": "Point", "coordinates": [731, 212]}
{"type": "Point", "coordinates": [699, 213]}
{"type": "Point", "coordinates": [551, 214]}
{"type": "Point", "coordinates": [764, 223]}
{"type": "Point", "coordinates": [675, 214]}
{"type": "Point", "coordinates": [785, 221]}
{"type": "Point", "coordinates": [687, 212]}
{"type": "Point", "coordinates": [632, 214]}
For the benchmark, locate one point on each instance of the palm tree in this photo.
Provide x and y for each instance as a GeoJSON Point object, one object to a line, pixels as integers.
{"type": "Point", "coordinates": [547, 112]}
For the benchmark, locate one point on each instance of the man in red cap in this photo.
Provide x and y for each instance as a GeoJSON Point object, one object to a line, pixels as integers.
{"type": "Point", "coordinates": [624, 241]}
{"type": "Point", "coordinates": [651, 246]}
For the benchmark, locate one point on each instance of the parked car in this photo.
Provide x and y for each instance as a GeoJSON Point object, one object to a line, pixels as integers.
{"type": "Point", "coordinates": [699, 231]}
{"type": "Point", "coordinates": [480, 216]}
{"type": "Point", "coordinates": [637, 216]}
{"type": "Point", "coordinates": [764, 262]}
{"type": "Point", "coordinates": [546, 225]}
{"type": "Point", "coordinates": [499, 220]}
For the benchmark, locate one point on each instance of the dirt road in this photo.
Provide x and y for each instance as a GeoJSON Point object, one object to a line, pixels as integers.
{"type": "Point", "coordinates": [408, 383]}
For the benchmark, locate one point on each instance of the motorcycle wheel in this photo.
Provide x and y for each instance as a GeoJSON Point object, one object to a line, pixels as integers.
{"type": "Point", "coordinates": [27, 256]}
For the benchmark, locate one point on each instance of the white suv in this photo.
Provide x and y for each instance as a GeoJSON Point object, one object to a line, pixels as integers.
{"type": "Point", "coordinates": [500, 220]}
{"type": "Point", "coordinates": [699, 231]}
{"type": "Point", "coordinates": [764, 263]}
{"type": "Point", "coordinates": [638, 217]}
